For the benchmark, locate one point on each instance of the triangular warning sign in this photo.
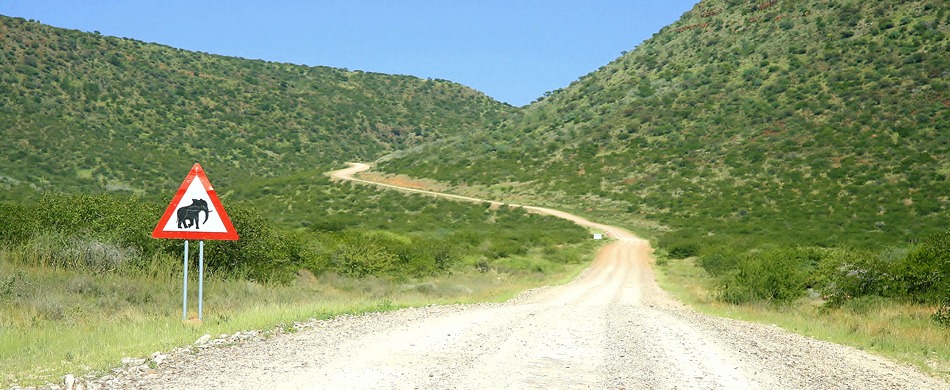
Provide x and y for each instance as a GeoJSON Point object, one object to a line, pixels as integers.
{"type": "Point", "coordinates": [196, 212]}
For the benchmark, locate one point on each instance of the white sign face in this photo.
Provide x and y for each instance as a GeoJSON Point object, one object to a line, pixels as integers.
{"type": "Point", "coordinates": [195, 212]}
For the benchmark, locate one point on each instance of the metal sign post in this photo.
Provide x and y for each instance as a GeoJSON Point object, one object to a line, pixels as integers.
{"type": "Point", "coordinates": [182, 220]}
{"type": "Point", "coordinates": [201, 282]}
{"type": "Point", "coordinates": [184, 290]}
{"type": "Point", "coordinates": [201, 275]}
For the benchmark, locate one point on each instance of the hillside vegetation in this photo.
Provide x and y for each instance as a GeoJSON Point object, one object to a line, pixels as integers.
{"type": "Point", "coordinates": [813, 122]}
{"type": "Point", "coordinates": [99, 131]}
{"type": "Point", "coordinates": [85, 112]}
{"type": "Point", "coordinates": [82, 284]}
{"type": "Point", "coordinates": [789, 147]}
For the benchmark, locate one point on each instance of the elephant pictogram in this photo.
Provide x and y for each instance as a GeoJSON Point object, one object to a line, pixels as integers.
{"type": "Point", "coordinates": [188, 215]}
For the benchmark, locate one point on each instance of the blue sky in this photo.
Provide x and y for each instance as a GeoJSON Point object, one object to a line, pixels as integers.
{"type": "Point", "coordinates": [513, 51]}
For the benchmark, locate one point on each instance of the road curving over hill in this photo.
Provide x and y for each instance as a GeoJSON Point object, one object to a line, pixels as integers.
{"type": "Point", "coordinates": [610, 328]}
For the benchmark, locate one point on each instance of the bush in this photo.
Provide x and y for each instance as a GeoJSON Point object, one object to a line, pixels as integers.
{"type": "Point", "coordinates": [426, 257]}
{"type": "Point", "coordinates": [719, 262]}
{"type": "Point", "coordinates": [682, 251]}
{"type": "Point", "coordinates": [17, 224]}
{"type": "Point", "coordinates": [776, 275]}
{"type": "Point", "coordinates": [942, 315]}
{"type": "Point", "coordinates": [845, 274]}
{"type": "Point", "coordinates": [96, 256]}
{"type": "Point", "coordinates": [125, 221]}
{"type": "Point", "coordinates": [263, 253]}
{"type": "Point", "coordinates": [362, 255]}
{"type": "Point", "coordinates": [680, 247]}
{"type": "Point", "coordinates": [111, 233]}
{"type": "Point", "coordinates": [924, 275]}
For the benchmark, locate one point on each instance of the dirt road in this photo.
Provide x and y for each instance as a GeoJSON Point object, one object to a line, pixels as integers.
{"type": "Point", "coordinates": [610, 328]}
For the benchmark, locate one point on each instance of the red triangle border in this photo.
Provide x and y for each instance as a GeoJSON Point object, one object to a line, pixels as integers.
{"type": "Point", "coordinates": [229, 234]}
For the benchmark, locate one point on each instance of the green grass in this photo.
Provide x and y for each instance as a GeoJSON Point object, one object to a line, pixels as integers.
{"type": "Point", "coordinates": [901, 331]}
{"type": "Point", "coordinates": [55, 321]}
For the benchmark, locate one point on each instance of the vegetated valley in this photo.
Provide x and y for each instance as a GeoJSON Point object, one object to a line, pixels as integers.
{"type": "Point", "coordinates": [792, 146]}
{"type": "Point", "coordinates": [780, 155]}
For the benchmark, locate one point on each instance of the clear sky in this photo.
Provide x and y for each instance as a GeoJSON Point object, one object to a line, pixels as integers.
{"type": "Point", "coordinates": [512, 50]}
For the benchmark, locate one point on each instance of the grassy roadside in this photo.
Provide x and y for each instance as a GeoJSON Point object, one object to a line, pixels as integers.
{"type": "Point", "coordinates": [55, 321]}
{"type": "Point", "coordinates": [900, 331]}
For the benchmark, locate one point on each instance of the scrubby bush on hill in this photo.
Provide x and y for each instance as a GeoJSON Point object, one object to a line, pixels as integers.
{"type": "Point", "coordinates": [110, 233]}
{"type": "Point", "coordinates": [823, 123]}
{"type": "Point", "coordinates": [86, 112]}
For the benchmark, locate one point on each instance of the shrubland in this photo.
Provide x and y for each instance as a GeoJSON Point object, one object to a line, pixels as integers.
{"type": "Point", "coordinates": [96, 129]}
{"type": "Point", "coordinates": [82, 283]}
{"type": "Point", "coordinates": [782, 274]}
{"type": "Point", "coordinates": [83, 112]}
{"type": "Point", "coordinates": [788, 145]}
{"type": "Point", "coordinates": [108, 233]}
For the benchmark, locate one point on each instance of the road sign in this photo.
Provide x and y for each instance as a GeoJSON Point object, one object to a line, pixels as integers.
{"type": "Point", "coordinates": [195, 213]}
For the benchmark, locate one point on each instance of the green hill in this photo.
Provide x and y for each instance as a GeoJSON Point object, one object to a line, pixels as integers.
{"type": "Point", "coordinates": [809, 122]}
{"type": "Point", "coordinates": [90, 113]}
{"type": "Point", "coordinates": [812, 123]}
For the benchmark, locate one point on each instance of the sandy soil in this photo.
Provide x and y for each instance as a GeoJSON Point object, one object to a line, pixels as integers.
{"type": "Point", "coordinates": [611, 328]}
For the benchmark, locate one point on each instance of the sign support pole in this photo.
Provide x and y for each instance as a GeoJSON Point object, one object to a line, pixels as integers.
{"type": "Point", "coordinates": [181, 221]}
{"type": "Point", "coordinates": [201, 275]}
{"type": "Point", "coordinates": [184, 290]}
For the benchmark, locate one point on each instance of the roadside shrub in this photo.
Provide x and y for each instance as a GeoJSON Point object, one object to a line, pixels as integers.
{"type": "Point", "coordinates": [425, 257]}
{"type": "Point", "coordinates": [95, 255]}
{"type": "Point", "coordinates": [942, 315]}
{"type": "Point", "coordinates": [112, 233]}
{"type": "Point", "coordinates": [924, 274]}
{"type": "Point", "coordinates": [846, 274]}
{"type": "Point", "coordinates": [118, 220]}
{"type": "Point", "coordinates": [719, 262]}
{"type": "Point", "coordinates": [520, 264]}
{"type": "Point", "coordinates": [17, 224]}
{"type": "Point", "coordinates": [361, 255]}
{"type": "Point", "coordinates": [682, 251]}
{"type": "Point", "coordinates": [680, 248]}
{"type": "Point", "coordinates": [498, 245]}
{"type": "Point", "coordinates": [776, 275]}
{"type": "Point", "coordinates": [263, 253]}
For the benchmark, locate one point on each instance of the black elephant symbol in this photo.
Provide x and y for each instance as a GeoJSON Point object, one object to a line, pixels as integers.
{"type": "Point", "coordinates": [188, 215]}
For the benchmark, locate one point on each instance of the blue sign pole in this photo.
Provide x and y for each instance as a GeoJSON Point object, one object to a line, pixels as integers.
{"type": "Point", "coordinates": [184, 290]}
{"type": "Point", "coordinates": [201, 275]}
